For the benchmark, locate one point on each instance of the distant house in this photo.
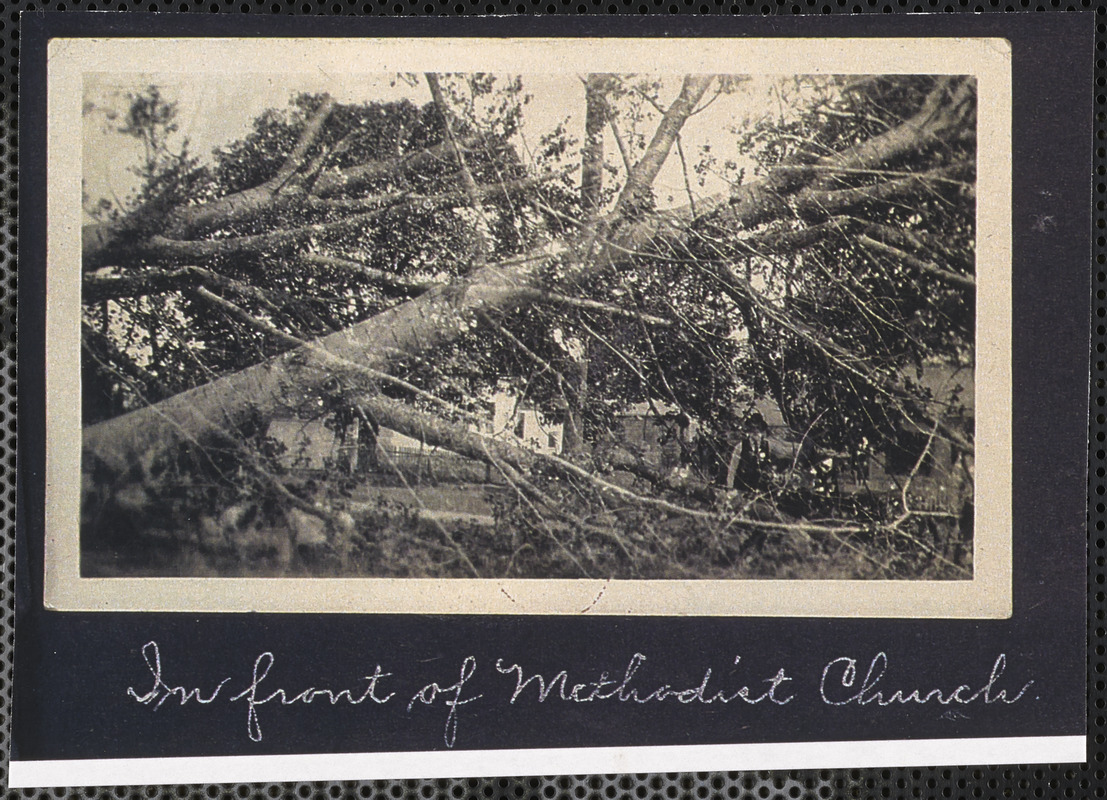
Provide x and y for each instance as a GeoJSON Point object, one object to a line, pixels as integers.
{"type": "Point", "coordinates": [656, 431]}
{"type": "Point", "coordinates": [942, 479]}
{"type": "Point", "coordinates": [944, 469]}
{"type": "Point", "coordinates": [317, 445]}
{"type": "Point", "coordinates": [940, 470]}
{"type": "Point", "coordinates": [518, 422]}
{"type": "Point", "coordinates": [395, 442]}
{"type": "Point", "coordinates": [307, 445]}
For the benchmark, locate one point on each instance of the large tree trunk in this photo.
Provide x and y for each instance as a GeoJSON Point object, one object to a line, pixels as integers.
{"type": "Point", "coordinates": [442, 314]}
{"type": "Point", "coordinates": [481, 244]}
{"type": "Point", "coordinates": [592, 155]}
{"type": "Point", "coordinates": [591, 200]}
{"type": "Point", "coordinates": [434, 318]}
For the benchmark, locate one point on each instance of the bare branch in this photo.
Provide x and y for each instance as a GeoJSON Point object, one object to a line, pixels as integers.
{"type": "Point", "coordinates": [295, 161]}
{"type": "Point", "coordinates": [645, 171]}
{"type": "Point", "coordinates": [622, 145]}
{"type": "Point", "coordinates": [235, 312]}
{"type": "Point", "coordinates": [100, 240]}
{"type": "Point", "coordinates": [98, 286]}
{"type": "Point", "coordinates": [741, 292]}
{"type": "Point", "coordinates": [483, 246]}
{"type": "Point", "coordinates": [925, 267]}
{"type": "Point", "coordinates": [285, 240]}
{"type": "Point", "coordinates": [544, 296]}
{"type": "Point", "coordinates": [684, 172]}
{"type": "Point", "coordinates": [396, 285]}
{"type": "Point", "coordinates": [352, 179]}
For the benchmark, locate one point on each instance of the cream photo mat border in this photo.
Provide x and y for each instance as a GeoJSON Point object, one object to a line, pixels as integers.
{"type": "Point", "coordinates": [987, 595]}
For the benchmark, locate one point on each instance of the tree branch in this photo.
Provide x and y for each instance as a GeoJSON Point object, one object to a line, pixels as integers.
{"type": "Point", "coordinates": [97, 286]}
{"type": "Point", "coordinates": [352, 179]}
{"type": "Point", "coordinates": [442, 314]}
{"type": "Point", "coordinates": [925, 267]}
{"type": "Point", "coordinates": [740, 291]}
{"type": "Point", "coordinates": [447, 123]}
{"type": "Point", "coordinates": [483, 246]}
{"type": "Point", "coordinates": [645, 171]}
{"type": "Point", "coordinates": [285, 240]}
{"type": "Point", "coordinates": [235, 312]}
{"type": "Point", "coordinates": [392, 284]}
{"type": "Point", "coordinates": [927, 126]}
{"type": "Point", "coordinates": [100, 240]}
{"type": "Point", "coordinates": [624, 154]}
{"type": "Point", "coordinates": [295, 161]}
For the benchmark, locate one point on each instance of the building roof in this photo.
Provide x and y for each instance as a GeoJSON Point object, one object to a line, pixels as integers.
{"type": "Point", "coordinates": [644, 409]}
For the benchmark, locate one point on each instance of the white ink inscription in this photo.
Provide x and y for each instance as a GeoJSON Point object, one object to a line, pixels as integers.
{"type": "Point", "coordinates": [160, 691]}
{"type": "Point", "coordinates": [429, 693]}
{"type": "Point", "coordinates": [839, 686]}
{"type": "Point", "coordinates": [607, 688]}
{"type": "Point", "coordinates": [262, 666]}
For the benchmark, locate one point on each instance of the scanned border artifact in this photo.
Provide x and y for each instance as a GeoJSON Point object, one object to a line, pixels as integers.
{"type": "Point", "coordinates": [408, 326]}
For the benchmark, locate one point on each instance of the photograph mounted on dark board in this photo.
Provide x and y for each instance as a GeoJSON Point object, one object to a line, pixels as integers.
{"type": "Point", "coordinates": [595, 325]}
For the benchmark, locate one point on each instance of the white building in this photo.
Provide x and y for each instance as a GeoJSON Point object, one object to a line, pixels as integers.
{"type": "Point", "coordinates": [519, 422]}
{"type": "Point", "coordinates": [309, 444]}
{"type": "Point", "coordinates": [314, 445]}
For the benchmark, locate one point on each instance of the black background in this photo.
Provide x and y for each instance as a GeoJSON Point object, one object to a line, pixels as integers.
{"type": "Point", "coordinates": [72, 670]}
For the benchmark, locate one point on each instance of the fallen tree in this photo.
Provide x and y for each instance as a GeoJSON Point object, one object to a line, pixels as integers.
{"type": "Point", "coordinates": [864, 211]}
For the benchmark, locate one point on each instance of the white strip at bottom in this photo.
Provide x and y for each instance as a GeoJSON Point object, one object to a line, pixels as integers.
{"type": "Point", "coordinates": [563, 761]}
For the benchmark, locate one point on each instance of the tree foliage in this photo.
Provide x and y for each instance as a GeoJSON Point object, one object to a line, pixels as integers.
{"type": "Point", "coordinates": [395, 265]}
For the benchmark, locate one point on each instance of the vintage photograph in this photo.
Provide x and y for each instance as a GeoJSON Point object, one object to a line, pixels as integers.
{"type": "Point", "coordinates": [511, 398]}
{"type": "Point", "coordinates": [527, 325]}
